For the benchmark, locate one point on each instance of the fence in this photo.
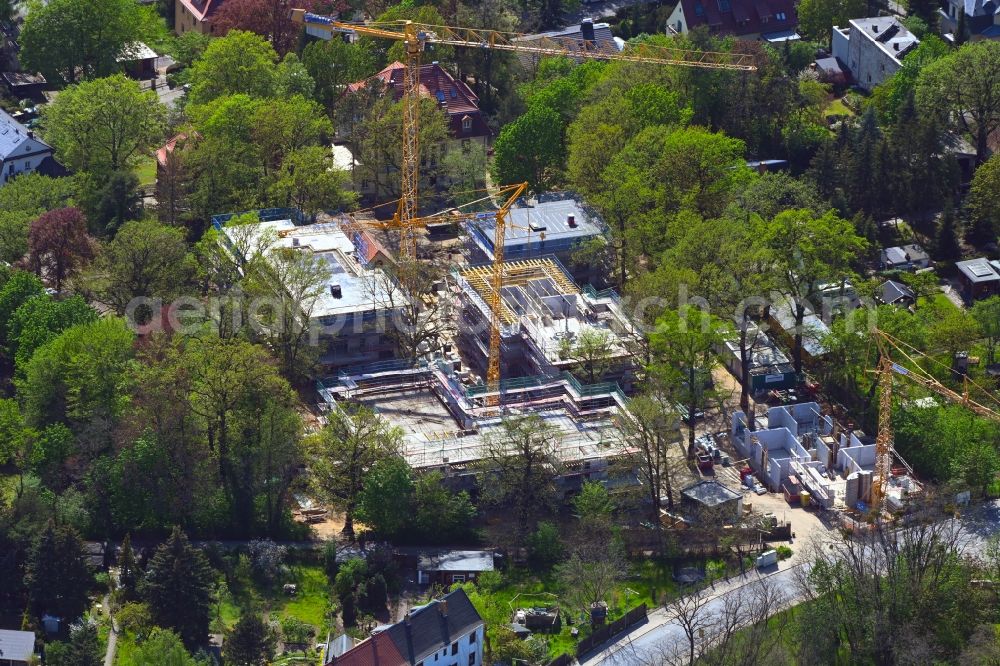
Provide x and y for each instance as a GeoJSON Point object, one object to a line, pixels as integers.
{"type": "Point", "coordinates": [635, 616]}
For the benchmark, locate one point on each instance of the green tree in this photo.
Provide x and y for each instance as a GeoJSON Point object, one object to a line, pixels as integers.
{"type": "Point", "coordinates": [178, 588]}
{"type": "Point", "coordinates": [82, 649]}
{"type": "Point", "coordinates": [56, 573]}
{"type": "Point", "coordinates": [987, 314]}
{"type": "Point", "coordinates": [65, 39]}
{"type": "Point", "coordinates": [78, 375]}
{"type": "Point", "coordinates": [946, 241]}
{"type": "Point", "coordinates": [809, 250]}
{"type": "Point", "coordinates": [309, 181]}
{"type": "Point", "coordinates": [344, 452]}
{"type": "Point", "coordinates": [545, 546]}
{"type": "Point", "coordinates": [240, 62]}
{"type": "Point", "coordinates": [41, 319]}
{"type": "Point", "coordinates": [250, 643]}
{"type": "Point", "coordinates": [385, 499]}
{"type": "Point", "coordinates": [24, 199]}
{"type": "Point", "coordinates": [963, 90]}
{"type": "Point", "coordinates": [817, 17]}
{"type": "Point", "coordinates": [529, 150]}
{"type": "Point", "coordinates": [593, 503]}
{"type": "Point", "coordinates": [683, 345]}
{"type": "Point", "coordinates": [984, 197]}
{"type": "Point", "coordinates": [129, 573]}
{"type": "Point", "coordinates": [334, 63]}
{"type": "Point", "coordinates": [519, 467]}
{"type": "Point", "coordinates": [162, 648]}
{"type": "Point", "coordinates": [15, 292]}
{"type": "Point", "coordinates": [143, 260]}
{"type": "Point", "coordinates": [438, 513]}
{"type": "Point", "coordinates": [105, 125]}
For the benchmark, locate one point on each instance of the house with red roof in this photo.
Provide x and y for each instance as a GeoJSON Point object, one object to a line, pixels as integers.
{"type": "Point", "coordinates": [454, 97]}
{"type": "Point", "coordinates": [195, 15]}
{"type": "Point", "coordinates": [769, 20]}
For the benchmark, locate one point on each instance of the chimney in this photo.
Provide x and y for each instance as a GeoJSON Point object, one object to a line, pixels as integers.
{"type": "Point", "coordinates": [443, 608]}
{"type": "Point", "coordinates": [295, 241]}
{"type": "Point", "coordinates": [587, 29]}
{"type": "Point", "coordinates": [571, 221]}
{"type": "Point", "coordinates": [406, 618]}
{"type": "Point", "coordinates": [336, 291]}
{"type": "Point", "coordinates": [895, 45]}
{"type": "Point", "coordinates": [875, 29]}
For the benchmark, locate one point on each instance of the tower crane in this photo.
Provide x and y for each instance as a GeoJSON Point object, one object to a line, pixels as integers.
{"type": "Point", "coordinates": [886, 370]}
{"type": "Point", "coordinates": [416, 37]}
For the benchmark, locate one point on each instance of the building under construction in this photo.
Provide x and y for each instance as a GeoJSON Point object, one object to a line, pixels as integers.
{"type": "Point", "coordinates": [545, 315]}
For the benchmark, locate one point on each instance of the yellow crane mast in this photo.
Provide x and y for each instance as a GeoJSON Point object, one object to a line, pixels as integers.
{"type": "Point", "coordinates": [887, 369]}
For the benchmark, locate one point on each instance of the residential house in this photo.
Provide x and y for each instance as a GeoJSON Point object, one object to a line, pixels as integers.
{"type": "Point", "coordinates": [872, 49]}
{"type": "Point", "coordinates": [892, 292]}
{"type": "Point", "coordinates": [17, 648]}
{"type": "Point", "coordinates": [781, 318]}
{"type": "Point", "coordinates": [978, 278]}
{"type": "Point", "coordinates": [910, 257]}
{"type": "Point", "coordinates": [785, 436]}
{"type": "Point", "coordinates": [588, 36]}
{"type": "Point", "coordinates": [447, 631]}
{"type": "Point", "coordinates": [710, 502]}
{"type": "Point", "coordinates": [445, 567]}
{"type": "Point", "coordinates": [195, 15]}
{"type": "Point", "coordinates": [558, 224]}
{"type": "Point", "coordinates": [454, 97]}
{"type": "Point", "coordinates": [982, 19]}
{"type": "Point", "coordinates": [771, 20]}
{"type": "Point", "coordinates": [344, 159]}
{"type": "Point", "coordinates": [20, 151]}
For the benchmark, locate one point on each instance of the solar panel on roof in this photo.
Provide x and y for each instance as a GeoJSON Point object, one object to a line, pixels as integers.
{"type": "Point", "coordinates": [981, 270]}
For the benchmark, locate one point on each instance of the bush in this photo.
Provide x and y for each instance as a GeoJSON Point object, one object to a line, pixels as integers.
{"type": "Point", "coordinates": [784, 552]}
{"type": "Point", "coordinates": [266, 559]}
{"type": "Point", "coordinates": [545, 548]}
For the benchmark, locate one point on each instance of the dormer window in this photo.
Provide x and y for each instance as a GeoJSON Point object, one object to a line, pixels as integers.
{"type": "Point", "coordinates": [466, 123]}
{"type": "Point", "coordinates": [781, 16]}
{"type": "Point", "coordinates": [698, 9]}
{"type": "Point", "coordinates": [725, 5]}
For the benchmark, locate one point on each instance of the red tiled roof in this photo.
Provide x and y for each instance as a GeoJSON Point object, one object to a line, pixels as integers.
{"type": "Point", "coordinates": [453, 95]}
{"type": "Point", "coordinates": [202, 9]}
{"type": "Point", "coordinates": [166, 149]}
{"type": "Point", "coordinates": [743, 17]}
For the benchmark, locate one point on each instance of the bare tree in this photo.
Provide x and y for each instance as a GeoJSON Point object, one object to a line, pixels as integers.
{"type": "Point", "coordinates": [420, 317]}
{"type": "Point", "coordinates": [690, 610]}
{"type": "Point", "coordinates": [744, 633]}
{"type": "Point", "coordinates": [894, 594]}
{"type": "Point", "coordinates": [592, 570]}
{"type": "Point", "coordinates": [651, 430]}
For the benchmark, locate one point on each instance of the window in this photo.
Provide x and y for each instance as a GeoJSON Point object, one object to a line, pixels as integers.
{"type": "Point", "coordinates": [467, 123]}
{"type": "Point", "coordinates": [458, 578]}
{"type": "Point", "coordinates": [472, 638]}
{"type": "Point", "coordinates": [698, 9]}
{"type": "Point", "coordinates": [725, 5]}
{"type": "Point", "coordinates": [454, 648]}
{"type": "Point", "coordinates": [472, 659]}
{"type": "Point", "coordinates": [781, 16]}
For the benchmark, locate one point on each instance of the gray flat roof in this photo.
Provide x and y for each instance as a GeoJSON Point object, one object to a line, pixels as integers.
{"type": "Point", "coordinates": [526, 224]}
{"type": "Point", "coordinates": [710, 493]}
{"type": "Point", "coordinates": [978, 270]}
{"type": "Point", "coordinates": [456, 560]}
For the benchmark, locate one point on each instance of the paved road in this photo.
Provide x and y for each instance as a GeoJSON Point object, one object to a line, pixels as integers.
{"type": "Point", "coordinates": [597, 10]}
{"type": "Point", "coordinates": [663, 632]}
{"type": "Point", "coordinates": [109, 655]}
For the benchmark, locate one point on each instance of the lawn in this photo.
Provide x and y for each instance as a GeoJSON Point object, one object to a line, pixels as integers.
{"type": "Point", "coordinates": [311, 600]}
{"type": "Point", "coordinates": [838, 108]}
{"type": "Point", "coordinates": [146, 171]}
{"type": "Point", "coordinates": [522, 588]}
